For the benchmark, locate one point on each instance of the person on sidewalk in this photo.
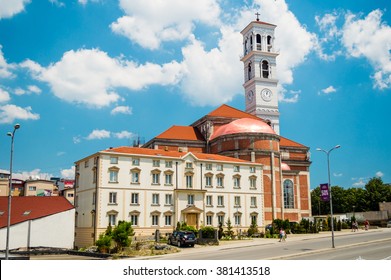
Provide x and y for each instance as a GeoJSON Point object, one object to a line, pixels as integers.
{"type": "Point", "coordinates": [366, 223]}
{"type": "Point", "coordinates": [282, 235]}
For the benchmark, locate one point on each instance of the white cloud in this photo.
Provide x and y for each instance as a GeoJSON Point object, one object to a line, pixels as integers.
{"type": "Point", "coordinates": [213, 77]}
{"type": "Point", "coordinates": [329, 90]}
{"type": "Point", "coordinates": [360, 183]}
{"type": "Point", "coordinates": [34, 89]}
{"type": "Point", "coordinates": [168, 20]}
{"type": "Point", "coordinates": [370, 38]}
{"type": "Point", "coordinates": [337, 174]}
{"type": "Point", "coordinates": [99, 134]}
{"type": "Point", "coordinates": [68, 173]}
{"type": "Point", "coordinates": [105, 134]}
{"type": "Point", "coordinates": [9, 113]}
{"type": "Point", "coordinates": [4, 66]}
{"type": "Point", "coordinates": [123, 135]}
{"type": "Point", "coordinates": [122, 110]}
{"type": "Point", "coordinates": [90, 76]}
{"type": "Point", "coordinates": [291, 96]}
{"type": "Point", "coordinates": [9, 8]}
{"type": "Point", "coordinates": [34, 174]}
{"type": "Point", "coordinates": [379, 174]}
{"type": "Point", "coordinates": [4, 96]}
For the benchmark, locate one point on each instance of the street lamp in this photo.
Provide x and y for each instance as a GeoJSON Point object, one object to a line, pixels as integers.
{"type": "Point", "coordinates": [16, 126]}
{"type": "Point", "coordinates": [331, 199]}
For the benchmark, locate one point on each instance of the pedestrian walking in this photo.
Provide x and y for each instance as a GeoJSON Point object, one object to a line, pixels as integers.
{"type": "Point", "coordinates": [366, 223]}
{"type": "Point", "coordinates": [282, 235]}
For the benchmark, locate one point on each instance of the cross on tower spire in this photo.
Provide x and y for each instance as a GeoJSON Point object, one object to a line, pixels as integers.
{"type": "Point", "coordinates": [257, 14]}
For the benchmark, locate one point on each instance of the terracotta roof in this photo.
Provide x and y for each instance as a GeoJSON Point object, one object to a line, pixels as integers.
{"type": "Point", "coordinates": [181, 133]}
{"type": "Point", "coordinates": [285, 142]}
{"type": "Point", "coordinates": [144, 151]}
{"type": "Point", "coordinates": [24, 208]}
{"type": "Point", "coordinates": [158, 152]}
{"type": "Point", "coordinates": [244, 125]}
{"type": "Point", "coordinates": [206, 157]}
{"type": "Point", "coordinates": [230, 112]}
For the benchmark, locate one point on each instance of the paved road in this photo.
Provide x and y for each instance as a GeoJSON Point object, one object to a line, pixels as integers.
{"type": "Point", "coordinates": [306, 247]}
{"type": "Point", "coordinates": [295, 246]}
{"type": "Point", "coordinates": [373, 251]}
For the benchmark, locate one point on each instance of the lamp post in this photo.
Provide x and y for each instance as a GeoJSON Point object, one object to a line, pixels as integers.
{"type": "Point", "coordinates": [331, 198]}
{"type": "Point", "coordinates": [16, 126]}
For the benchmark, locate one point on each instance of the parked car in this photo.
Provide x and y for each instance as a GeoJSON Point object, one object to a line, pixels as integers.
{"type": "Point", "coordinates": [389, 224]}
{"type": "Point", "coordinates": [182, 238]}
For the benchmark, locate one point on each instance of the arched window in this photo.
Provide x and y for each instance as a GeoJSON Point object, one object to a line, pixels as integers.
{"type": "Point", "coordinates": [249, 72]}
{"type": "Point", "coordinates": [259, 42]}
{"type": "Point", "coordinates": [269, 43]}
{"type": "Point", "coordinates": [251, 43]}
{"type": "Point", "coordinates": [289, 199]}
{"type": "Point", "coordinates": [265, 69]}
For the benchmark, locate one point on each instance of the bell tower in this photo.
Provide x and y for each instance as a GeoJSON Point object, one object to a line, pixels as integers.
{"type": "Point", "coordinates": [260, 81]}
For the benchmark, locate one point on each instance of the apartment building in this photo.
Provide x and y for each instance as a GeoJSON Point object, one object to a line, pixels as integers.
{"type": "Point", "coordinates": [155, 189]}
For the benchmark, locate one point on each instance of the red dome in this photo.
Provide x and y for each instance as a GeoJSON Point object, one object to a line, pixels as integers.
{"type": "Point", "coordinates": [244, 125]}
{"type": "Point", "coordinates": [285, 167]}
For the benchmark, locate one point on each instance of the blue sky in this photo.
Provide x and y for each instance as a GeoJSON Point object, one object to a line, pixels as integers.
{"type": "Point", "coordinates": [81, 76]}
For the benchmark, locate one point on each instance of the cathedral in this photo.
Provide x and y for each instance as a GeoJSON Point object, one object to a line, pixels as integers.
{"type": "Point", "coordinates": [228, 164]}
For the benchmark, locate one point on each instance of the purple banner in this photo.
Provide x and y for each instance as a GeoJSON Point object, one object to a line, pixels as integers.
{"type": "Point", "coordinates": [324, 192]}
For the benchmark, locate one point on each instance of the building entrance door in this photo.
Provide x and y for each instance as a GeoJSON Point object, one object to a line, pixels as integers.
{"type": "Point", "coordinates": [191, 219]}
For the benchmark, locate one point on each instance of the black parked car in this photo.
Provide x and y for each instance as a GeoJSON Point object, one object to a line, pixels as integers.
{"type": "Point", "coordinates": [182, 238]}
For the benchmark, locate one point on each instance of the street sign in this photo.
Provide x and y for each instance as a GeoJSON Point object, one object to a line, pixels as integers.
{"type": "Point", "coordinates": [324, 192]}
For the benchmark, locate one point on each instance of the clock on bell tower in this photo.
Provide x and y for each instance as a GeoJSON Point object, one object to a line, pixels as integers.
{"type": "Point", "coordinates": [260, 81]}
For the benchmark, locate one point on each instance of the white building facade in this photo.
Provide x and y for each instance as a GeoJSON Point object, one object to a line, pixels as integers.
{"type": "Point", "coordinates": [155, 189]}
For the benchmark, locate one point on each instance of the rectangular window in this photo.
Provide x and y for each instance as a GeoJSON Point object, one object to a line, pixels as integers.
{"type": "Point", "coordinates": [208, 181]}
{"type": "Point", "coordinates": [113, 176]}
{"type": "Point", "coordinates": [209, 220]}
{"type": "Point", "coordinates": [190, 199]}
{"type": "Point", "coordinates": [113, 198]}
{"type": "Point", "coordinates": [237, 220]}
{"type": "Point", "coordinates": [220, 200]}
{"type": "Point", "coordinates": [220, 219]}
{"type": "Point", "coordinates": [167, 220]}
{"type": "Point", "coordinates": [253, 183]}
{"type": "Point", "coordinates": [32, 188]}
{"type": "Point", "coordinates": [136, 161]}
{"type": "Point", "coordinates": [155, 199]}
{"type": "Point", "coordinates": [236, 168]}
{"type": "Point", "coordinates": [253, 201]}
{"type": "Point", "coordinates": [237, 201]}
{"type": "Point", "coordinates": [168, 164]}
{"type": "Point", "coordinates": [156, 163]}
{"type": "Point", "coordinates": [219, 167]}
{"type": "Point", "coordinates": [134, 199]}
{"type": "Point", "coordinates": [135, 177]}
{"type": "Point", "coordinates": [155, 178]}
{"type": "Point", "coordinates": [220, 182]}
{"type": "Point", "coordinates": [114, 160]}
{"type": "Point", "coordinates": [252, 169]}
{"type": "Point", "coordinates": [189, 165]}
{"type": "Point", "coordinates": [112, 219]}
{"type": "Point", "coordinates": [254, 219]}
{"type": "Point", "coordinates": [236, 182]}
{"type": "Point", "coordinates": [209, 200]}
{"type": "Point", "coordinates": [168, 199]}
{"type": "Point", "coordinates": [208, 166]}
{"type": "Point", "coordinates": [168, 179]}
{"type": "Point", "coordinates": [189, 181]}
{"type": "Point", "coordinates": [86, 163]}
{"type": "Point", "coordinates": [134, 220]}
{"type": "Point", "coordinates": [155, 220]}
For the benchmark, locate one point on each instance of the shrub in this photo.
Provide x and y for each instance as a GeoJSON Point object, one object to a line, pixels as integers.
{"type": "Point", "coordinates": [208, 232]}
{"type": "Point", "coordinates": [104, 243]}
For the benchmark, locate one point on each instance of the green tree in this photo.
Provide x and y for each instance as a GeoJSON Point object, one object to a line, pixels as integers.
{"type": "Point", "coordinates": [229, 232]}
{"type": "Point", "coordinates": [121, 234]}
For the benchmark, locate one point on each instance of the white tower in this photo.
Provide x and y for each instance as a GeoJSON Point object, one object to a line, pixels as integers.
{"type": "Point", "coordinates": [260, 82]}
